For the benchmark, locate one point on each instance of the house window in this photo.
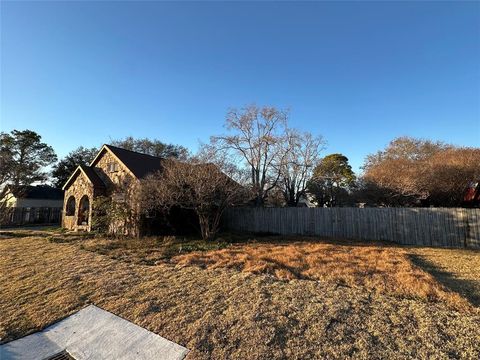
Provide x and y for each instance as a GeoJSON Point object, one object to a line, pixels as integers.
{"type": "Point", "coordinates": [112, 167]}
{"type": "Point", "coordinates": [70, 208]}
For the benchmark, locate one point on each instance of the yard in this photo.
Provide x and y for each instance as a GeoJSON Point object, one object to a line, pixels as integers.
{"type": "Point", "coordinates": [262, 297]}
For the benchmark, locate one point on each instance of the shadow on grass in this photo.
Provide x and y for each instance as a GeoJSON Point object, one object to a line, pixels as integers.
{"type": "Point", "coordinates": [469, 289]}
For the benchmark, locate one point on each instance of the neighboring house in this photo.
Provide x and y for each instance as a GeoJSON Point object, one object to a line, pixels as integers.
{"type": "Point", "coordinates": [25, 205]}
{"type": "Point", "coordinates": [40, 196]}
{"type": "Point", "coordinates": [113, 173]}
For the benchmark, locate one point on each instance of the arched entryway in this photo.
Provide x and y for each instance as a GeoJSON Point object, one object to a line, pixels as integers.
{"type": "Point", "coordinates": [70, 207]}
{"type": "Point", "coordinates": [83, 210]}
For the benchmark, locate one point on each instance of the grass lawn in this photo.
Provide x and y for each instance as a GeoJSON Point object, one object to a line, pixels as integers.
{"type": "Point", "coordinates": [266, 298]}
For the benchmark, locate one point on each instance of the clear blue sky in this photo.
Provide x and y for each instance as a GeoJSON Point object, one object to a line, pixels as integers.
{"type": "Point", "coordinates": [360, 74]}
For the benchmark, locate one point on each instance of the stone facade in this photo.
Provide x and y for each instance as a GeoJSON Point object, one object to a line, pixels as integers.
{"type": "Point", "coordinates": [78, 192]}
{"type": "Point", "coordinates": [115, 173]}
{"type": "Point", "coordinates": [82, 191]}
{"type": "Point", "coordinates": [121, 176]}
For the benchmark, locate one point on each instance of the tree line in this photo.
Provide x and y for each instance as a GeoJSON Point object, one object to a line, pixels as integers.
{"type": "Point", "coordinates": [267, 163]}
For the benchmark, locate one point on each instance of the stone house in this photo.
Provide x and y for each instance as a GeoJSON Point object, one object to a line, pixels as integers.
{"type": "Point", "coordinates": [114, 173]}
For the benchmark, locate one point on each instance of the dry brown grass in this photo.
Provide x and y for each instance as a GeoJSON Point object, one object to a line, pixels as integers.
{"type": "Point", "coordinates": [375, 267]}
{"type": "Point", "coordinates": [223, 313]}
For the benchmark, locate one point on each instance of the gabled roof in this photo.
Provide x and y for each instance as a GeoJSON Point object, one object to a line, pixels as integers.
{"type": "Point", "coordinates": [92, 176]}
{"type": "Point", "coordinates": [140, 165]}
{"type": "Point", "coordinates": [89, 173]}
{"type": "Point", "coordinates": [43, 192]}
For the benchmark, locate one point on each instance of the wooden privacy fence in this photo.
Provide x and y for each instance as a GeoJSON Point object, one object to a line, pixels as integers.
{"type": "Point", "coordinates": [24, 216]}
{"type": "Point", "coordinates": [446, 227]}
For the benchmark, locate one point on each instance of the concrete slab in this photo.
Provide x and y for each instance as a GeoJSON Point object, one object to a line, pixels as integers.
{"type": "Point", "coordinates": [95, 334]}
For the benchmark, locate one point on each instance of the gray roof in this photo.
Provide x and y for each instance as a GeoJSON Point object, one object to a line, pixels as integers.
{"type": "Point", "coordinates": [36, 192]}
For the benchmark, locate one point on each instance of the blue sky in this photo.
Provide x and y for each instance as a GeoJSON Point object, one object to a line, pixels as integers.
{"type": "Point", "coordinates": [360, 74]}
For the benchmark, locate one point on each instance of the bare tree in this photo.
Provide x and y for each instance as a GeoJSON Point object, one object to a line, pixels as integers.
{"type": "Point", "coordinates": [197, 186]}
{"type": "Point", "coordinates": [209, 154]}
{"type": "Point", "coordinates": [302, 152]}
{"type": "Point", "coordinates": [256, 140]}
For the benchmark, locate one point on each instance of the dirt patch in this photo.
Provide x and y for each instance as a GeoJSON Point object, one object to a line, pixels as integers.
{"type": "Point", "coordinates": [223, 313]}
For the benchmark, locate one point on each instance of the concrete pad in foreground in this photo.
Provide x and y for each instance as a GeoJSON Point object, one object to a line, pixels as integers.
{"type": "Point", "coordinates": [95, 334]}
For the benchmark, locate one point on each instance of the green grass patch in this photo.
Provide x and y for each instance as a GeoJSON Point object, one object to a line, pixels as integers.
{"type": "Point", "coordinates": [150, 250]}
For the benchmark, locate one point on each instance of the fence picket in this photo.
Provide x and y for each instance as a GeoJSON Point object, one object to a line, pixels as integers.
{"type": "Point", "coordinates": [24, 216]}
{"type": "Point", "coordinates": [417, 226]}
